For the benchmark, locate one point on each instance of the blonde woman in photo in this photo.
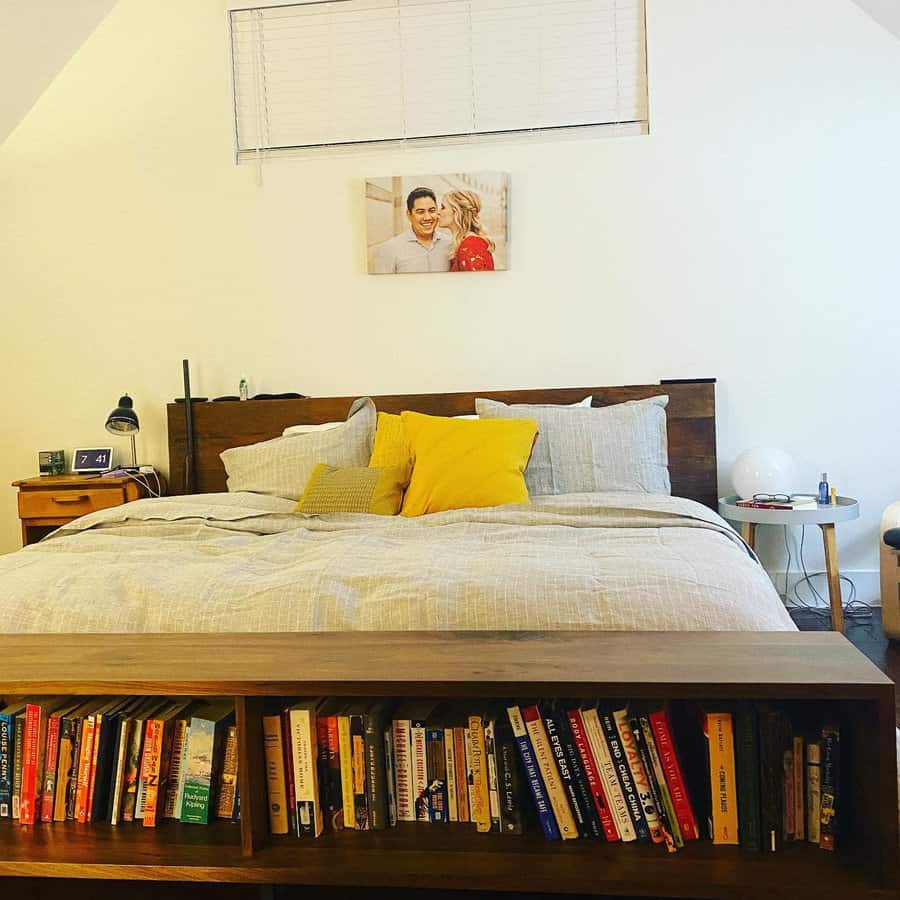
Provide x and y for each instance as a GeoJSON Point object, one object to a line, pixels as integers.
{"type": "Point", "coordinates": [471, 249]}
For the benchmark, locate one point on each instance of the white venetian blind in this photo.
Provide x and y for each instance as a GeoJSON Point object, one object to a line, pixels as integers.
{"type": "Point", "coordinates": [344, 72]}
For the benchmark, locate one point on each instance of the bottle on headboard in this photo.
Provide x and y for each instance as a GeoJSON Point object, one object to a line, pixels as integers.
{"type": "Point", "coordinates": [243, 390]}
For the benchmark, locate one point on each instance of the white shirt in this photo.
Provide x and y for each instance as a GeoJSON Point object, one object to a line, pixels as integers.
{"type": "Point", "coordinates": [404, 253]}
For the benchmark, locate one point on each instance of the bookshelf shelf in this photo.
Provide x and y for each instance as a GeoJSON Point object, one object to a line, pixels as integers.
{"type": "Point", "coordinates": [819, 670]}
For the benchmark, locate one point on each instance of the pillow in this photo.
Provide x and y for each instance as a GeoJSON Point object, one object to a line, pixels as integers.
{"type": "Point", "coordinates": [622, 447]}
{"type": "Point", "coordinates": [357, 490]}
{"type": "Point", "coordinates": [459, 464]}
{"type": "Point", "coordinates": [309, 429]}
{"type": "Point", "coordinates": [282, 467]}
{"type": "Point", "coordinates": [392, 447]}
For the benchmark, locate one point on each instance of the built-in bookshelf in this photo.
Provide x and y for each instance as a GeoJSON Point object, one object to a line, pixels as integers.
{"type": "Point", "coordinates": [819, 673]}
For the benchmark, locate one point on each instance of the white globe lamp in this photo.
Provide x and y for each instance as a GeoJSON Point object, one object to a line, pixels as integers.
{"type": "Point", "coordinates": [763, 470]}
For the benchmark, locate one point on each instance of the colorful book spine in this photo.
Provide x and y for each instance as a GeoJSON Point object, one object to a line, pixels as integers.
{"type": "Point", "coordinates": [639, 775]}
{"type": "Point", "coordinates": [18, 741]}
{"type": "Point", "coordinates": [532, 774]}
{"type": "Point", "coordinates": [199, 789]}
{"type": "Point", "coordinates": [643, 750]}
{"type": "Point", "coordinates": [746, 741]}
{"type": "Point", "coordinates": [334, 801]}
{"type": "Point", "coordinates": [30, 786]}
{"type": "Point", "coordinates": [406, 811]}
{"type": "Point", "coordinates": [437, 775]}
{"type": "Point", "coordinates": [624, 775]}
{"type": "Point", "coordinates": [376, 776]}
{"type": "Point", "coordinates": [576, 792]}
{"type": "Point", "coordinates": [132, 776]}
{"type": "Point", "coordinates": [462, 781]}
{"type": "Point", "coordinates": [346, 753]}
{"type": "Point", "coordinates": [226, 799]}
{"type": "Point", "coordinates": [51, 758]}
{"type": "Point", "coordinates": [674, 777]}
{"type": "Point", "coordinates": [813, 791]}
{"type": "Point", "coordinates": [72, 792]}
{"type": "Point", "coordinates": [470, 781]}
{"type": "Point", "coordinates": [659, 776]}
{"type": "Point", "coordinates": [481, 802]}
{"type": "Point", "coordinates": [607, 769]}
{"type": "Point", "coordinates": [305, 756]}
{"type": "Point", "coordinates": [490, 754]}
{"type": "Point", "coordinates": [6, 757]}
{"type": "Point", "coordinates": [831, 787]}
{"type": "Point", "coordinates": [358, 754]}
{"type": "Point", "coordinates": [171, 809]}
{"type": "Point", "coordinates": [418, 769]}
{"type": "Point", "coordinates": [289, 769]}
{"type": "Point", "coordinates": [126, 728]}
{"type": "Point", "coordinates": [276, 791]}
{"type": "Point", "coordinates": [450, 767]}
{"type": "Point", "coordinates": [67, 733]}
{"type": "Point", "coordinates": [543, 754]}
{"type": "Point", "coordinates": [150, 764]}
{"type": "Point", "coordinates": [592, 774]}
{"type": "Point", "coordinates": [723, 787]}
{"type": "Point", "coordinates": [99, 730]}
{"type": "Point", "coordinates": [509, 784]}
{"type": "Point", "coordinates": [88, 730]}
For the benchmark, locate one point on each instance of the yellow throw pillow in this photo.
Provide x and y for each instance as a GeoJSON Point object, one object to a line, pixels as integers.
{"type": "Point", "coordinates": [459, 463]}
{"type": "Point", "coordinates": [360, 490]}
{"type": "Point", "coordinates": [391, 445]}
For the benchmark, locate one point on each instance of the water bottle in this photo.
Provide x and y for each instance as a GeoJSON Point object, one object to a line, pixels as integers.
{"type": "Point", "coordinates": [243, 391]}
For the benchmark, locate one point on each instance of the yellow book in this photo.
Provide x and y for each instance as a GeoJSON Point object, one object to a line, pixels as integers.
{"type": "Point", "coordinates": [346, 751]}
{"type": "Point", "coordinates": [480, 813]}
{"type": "Point", "coordinates": [276, 786]}
{"type": "Point", "coordinates": [722, 783]}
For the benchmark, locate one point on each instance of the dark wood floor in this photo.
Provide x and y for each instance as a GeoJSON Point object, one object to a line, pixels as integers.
{"type": "Point", "coordinates": [866, 634]}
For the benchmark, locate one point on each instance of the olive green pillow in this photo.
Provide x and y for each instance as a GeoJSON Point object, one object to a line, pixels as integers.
{"type": "Point", "coordinates": [356, 490]}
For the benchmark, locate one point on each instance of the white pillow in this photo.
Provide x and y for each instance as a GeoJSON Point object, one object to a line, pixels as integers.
{"type": "Point", "coordinates": [586, 402]}
{"type": "Point", "coordinates": [309, 429]}
{"type": "Point", "coordinates": [282, 466]}
{"type": "Point", "coordinates": [622, 447]}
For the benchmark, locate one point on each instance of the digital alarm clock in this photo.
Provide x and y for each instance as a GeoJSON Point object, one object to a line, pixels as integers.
{"type": "Point", "coordinates": [92, 459]}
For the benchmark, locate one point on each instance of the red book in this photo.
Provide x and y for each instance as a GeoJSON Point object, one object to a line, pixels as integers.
{"type": "Point", "coordinates": [289, 767]}
{"type": "Point", "coordinates": [50, 760]}
{"type": "Point", "coordinates": [589, 764]}
{"type": "Point", "coordinates": [84, 768]}
{"type": "Point", "coordinates": [30, 741]}
{"type": "Point", "coordinates": [669, 759]}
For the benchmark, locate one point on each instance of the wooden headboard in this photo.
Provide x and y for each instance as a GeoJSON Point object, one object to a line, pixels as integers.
{"type": "Point", "coordinates": [691, 415]}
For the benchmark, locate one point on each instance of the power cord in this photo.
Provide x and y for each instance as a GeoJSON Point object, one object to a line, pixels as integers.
{"type": "Point", "coordinates": [144, 482]}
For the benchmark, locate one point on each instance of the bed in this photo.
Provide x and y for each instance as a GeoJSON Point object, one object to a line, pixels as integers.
{"type": "Point", "coordinates": [205, 560]}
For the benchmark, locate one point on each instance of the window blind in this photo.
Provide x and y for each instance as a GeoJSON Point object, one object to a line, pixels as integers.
{"type": "Point", "coordinates": [349, 72]}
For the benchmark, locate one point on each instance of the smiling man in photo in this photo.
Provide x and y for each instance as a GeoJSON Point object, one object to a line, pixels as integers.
{"type": "Point", "coordinates": [422, 247]}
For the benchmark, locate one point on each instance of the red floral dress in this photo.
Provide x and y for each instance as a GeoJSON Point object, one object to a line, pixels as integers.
{"type": "Point", "coordinates": [473, 256]}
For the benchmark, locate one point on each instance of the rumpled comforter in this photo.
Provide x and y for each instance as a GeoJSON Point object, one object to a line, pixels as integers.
{"type": "Point", "coordinates": [246, 562]}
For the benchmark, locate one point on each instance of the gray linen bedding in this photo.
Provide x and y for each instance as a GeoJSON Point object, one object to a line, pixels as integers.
{"type": "Point", "coordinates": [245, 562]}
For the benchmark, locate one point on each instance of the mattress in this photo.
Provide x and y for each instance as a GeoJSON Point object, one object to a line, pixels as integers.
{"type": "Point", "coordinates": [246, 563]}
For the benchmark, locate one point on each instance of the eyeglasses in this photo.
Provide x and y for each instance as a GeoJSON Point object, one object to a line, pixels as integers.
{"type": "Point", "coordinates": [772, 498]}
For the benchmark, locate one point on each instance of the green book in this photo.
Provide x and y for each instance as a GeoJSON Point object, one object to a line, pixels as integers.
{"type": "Point", "coordinates": [203, 759]}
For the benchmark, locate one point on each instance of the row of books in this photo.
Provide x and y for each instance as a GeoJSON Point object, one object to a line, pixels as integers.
{"type": "Point", "coordinates": [118, 759]}
{"type": "Point", "coordinates": [664, 773]}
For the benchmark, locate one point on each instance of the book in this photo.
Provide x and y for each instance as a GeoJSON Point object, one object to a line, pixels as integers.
{"type": "Point", "coordinates": [747, 762]}
{"type": "Point", "coordinates": [798, 503]}
{"type": "Point", "coordinates": [607, 769]}
{"type": "Point", "coordinates": [226, 799]}
{"type": "Point", "coordinates": [659, 778]}
{"type": "Point", "coordinates": [639, 775]}
{"type": "Point", "coordinates": [358, 768]}
{"type": "Point", "coordinates": [375, 721]}
{"type": "Point", "coordinates": [774, 742]}
{"type": "Point", "coordinates": [419, 765]}
{"type": "Point", "coordinates": [509, 785]}
{"type": "Point", "coordinates": [330, 771]}
{"type": "Point", "coordinates": [131, 776]}
{"type": "Point", "coordinates": [643, 750]}
{"type": "Point", "coordinates": [681, 802]}
{"type": "Point", "coordinates": [65, 761]}
{"type": "Point", "coordinates": [289, 769]}
{"type": "Point", "coordinates": [437, 775]}
{"type": "Point", "coordinates": [799, 779]}
{"type": "Point", "coordinates": [462, 780]}
{"type": "Point", "coordinates": [390, 775]}
{"type": "Point", "coordinates": [7, 751]}
{"type": "Point", "coordinates": [532, 774]}
{"type": "Point", "coordinates": [34, 745]}
{"type": "Point", "coordinates": [570, 772]}
{"type": "Point", "coordinates": [624, 774]}
{"type": "Point", "coordinates": [51, 762]}
{"type": "Point", "coordinates": [830, 787]}
{"type": "Point", "coordinates": [276, 791]}
{"type": "Point", "coordinates": [543, 754]}
{"type": "Point", "coordinates": [304, 750]}
{"type": "Point", "coordinates": [18, 741]}
{"type": "Point", "coordinates": [345, 749]}
{"type": "Point", "coordinates": [719, 732]}
{"type": "Point", "coordinates": [126, 730]}
{"type": "Point", "coordinates": [490, 755]}
{"type": "Point", "coordinates": [158, 739]}
{"type": "Point", "coordinates": [174, 794]}
{"type": "Point", "coordinates": [481, 802]}
{"type": "Point", "coordinates": [813, 790]}
{"type": "Point", "coordinates": [210, 721]}
{"type": "Point", "coordinates": [592, 774]}
{"type": "Point", "coordinates": [450, 768]}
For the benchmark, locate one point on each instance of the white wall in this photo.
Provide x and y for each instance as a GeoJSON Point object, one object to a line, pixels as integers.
{"type": "Point", "coordinates": [752, 237]}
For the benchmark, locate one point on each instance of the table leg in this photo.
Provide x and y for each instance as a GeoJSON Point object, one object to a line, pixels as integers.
{"type": "Point", "coordinates": [748, 533]}
{"type": "Point", "coordinates": [834, 577]}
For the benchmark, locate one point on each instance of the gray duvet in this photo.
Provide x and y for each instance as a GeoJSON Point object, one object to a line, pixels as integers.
{"type": "Point", "coordinates": [246, 562]}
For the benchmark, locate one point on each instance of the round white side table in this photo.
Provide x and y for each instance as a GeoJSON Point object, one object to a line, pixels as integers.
{"type": "Point", "coordinates": [826, 517]}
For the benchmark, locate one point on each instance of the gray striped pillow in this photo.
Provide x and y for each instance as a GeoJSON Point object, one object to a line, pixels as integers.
{"type": "Point", "coordinates": [622, 447]}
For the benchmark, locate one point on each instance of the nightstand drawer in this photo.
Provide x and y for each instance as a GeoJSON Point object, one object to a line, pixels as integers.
{"type": "Point", "coordinates": [66, 503]}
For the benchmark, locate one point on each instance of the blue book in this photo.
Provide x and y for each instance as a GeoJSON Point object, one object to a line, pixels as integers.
{"type": "Point", "coordinates": [623, 773]}
{"type": "Point", "coordinates": [532, 774]}
{"type": "Point", "coordinates": [436, 762]}
{"type": "Point", "coordinates": [7, 749]}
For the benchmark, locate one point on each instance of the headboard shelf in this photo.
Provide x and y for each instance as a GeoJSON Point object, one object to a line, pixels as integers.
{"type": "Point", "coordinates": [691, 416]}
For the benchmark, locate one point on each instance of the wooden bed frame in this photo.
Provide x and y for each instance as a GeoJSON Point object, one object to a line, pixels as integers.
{"type": "Point", "coordinates": [691, 416]}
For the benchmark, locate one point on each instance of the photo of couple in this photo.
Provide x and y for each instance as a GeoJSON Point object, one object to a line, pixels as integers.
{"type": "Point", "coordinates": [437, 223]}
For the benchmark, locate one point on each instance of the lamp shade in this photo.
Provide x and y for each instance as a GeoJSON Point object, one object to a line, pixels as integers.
{"type": "Point", "coordinates": [763, 470]}
{"type": "Point", "coordinates": [123, 419]}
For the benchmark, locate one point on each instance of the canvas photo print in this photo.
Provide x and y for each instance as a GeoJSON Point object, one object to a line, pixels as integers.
{"type": "Point", "coordinates": [437, 223]}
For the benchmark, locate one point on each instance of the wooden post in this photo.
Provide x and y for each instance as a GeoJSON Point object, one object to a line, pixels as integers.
{"type": "Point", "coordinates": [748, 533]}
{"type": "Point", "coordinates": [834, 576]}
{"type": "Point", "coordinates": [251, 774]}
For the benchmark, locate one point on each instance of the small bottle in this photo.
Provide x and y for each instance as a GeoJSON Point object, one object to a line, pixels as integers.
{"type": "Point", "coordinates": [824, 499]}
{"type": "Point", "coordinates": [244, 394]}
{"type": "Point", "coordinates": [834, 496]}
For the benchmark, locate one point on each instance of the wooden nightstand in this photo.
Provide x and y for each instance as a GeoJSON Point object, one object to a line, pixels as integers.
{"type": "Point", "coordinates": [48, 501]}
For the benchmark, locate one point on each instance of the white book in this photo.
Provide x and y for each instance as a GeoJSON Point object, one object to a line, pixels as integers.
{"type": "Point", "coordinates": [450, 764]}
{"type": "Point", "coordinates": [402, 771]}
{"type": "Point", "coordinates": [618, 805]}
{"type": "Point", "coordinates": [419, 770]}
{"type": "Point", "coordinates": [490, 751]}
{"type": "Point", "coordinates": [305, 752]}
{"type": "Point", "coordinates": [119, 784]}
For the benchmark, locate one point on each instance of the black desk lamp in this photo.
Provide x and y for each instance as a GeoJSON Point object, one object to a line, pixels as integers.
{"type": "Point", "coordinates": [123, 420]}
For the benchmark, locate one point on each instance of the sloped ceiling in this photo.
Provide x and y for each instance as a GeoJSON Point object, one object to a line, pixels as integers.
{"type": "Point", "coordinates": [37, 38]}
{"type": "Point", "coordinates": [885, 12]}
